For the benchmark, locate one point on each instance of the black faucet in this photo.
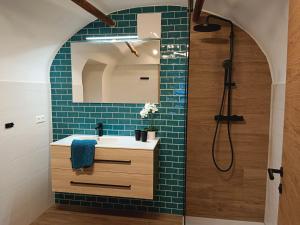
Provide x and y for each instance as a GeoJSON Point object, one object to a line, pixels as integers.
{"type": "Point", "coordinates": [99, 128]}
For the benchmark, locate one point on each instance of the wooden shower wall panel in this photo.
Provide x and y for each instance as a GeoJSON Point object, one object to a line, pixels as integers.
{"type": "Point", "coordinates": [239, 195]}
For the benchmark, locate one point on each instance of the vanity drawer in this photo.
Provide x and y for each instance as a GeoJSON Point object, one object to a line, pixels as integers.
{"type": "Point", "coordinates": [111, 160]}
{"type": "Point", "coordinates": [103, 183]}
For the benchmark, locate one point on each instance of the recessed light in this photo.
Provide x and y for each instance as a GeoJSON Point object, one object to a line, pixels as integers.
{"type": "Point", "coordinates": [111, 38]}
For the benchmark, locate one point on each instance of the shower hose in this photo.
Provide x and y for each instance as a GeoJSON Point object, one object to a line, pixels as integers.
{"type": "Point", "coordinates": [228, 168]}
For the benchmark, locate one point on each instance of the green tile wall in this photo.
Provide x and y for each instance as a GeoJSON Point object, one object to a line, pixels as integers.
{"type": "Point", "coordinates": [122, 119]}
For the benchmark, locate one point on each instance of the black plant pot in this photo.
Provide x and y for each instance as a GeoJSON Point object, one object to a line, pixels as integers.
{"type": "Point", "coordinates": [138, 135]}
{"type": "Point", "coordinates": [144, 135]}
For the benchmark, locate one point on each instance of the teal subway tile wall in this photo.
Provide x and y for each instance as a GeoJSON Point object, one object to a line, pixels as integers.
{"type": "Point", "coordinates": [122, 119]}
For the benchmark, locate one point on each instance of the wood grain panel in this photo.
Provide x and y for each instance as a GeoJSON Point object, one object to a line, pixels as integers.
{"type": "Point", "coordinates": [111, 160]}
{"type": "Point", "coordinates": [103, 183]}
{"type": "Point", "coordinates": [239, 195]}
{"type": "Point", "coordinates": [83, 216]}
{"type": "Point", "coordinates": [116, 172]}
{"type": "Point", "coordinates": [290, 198]}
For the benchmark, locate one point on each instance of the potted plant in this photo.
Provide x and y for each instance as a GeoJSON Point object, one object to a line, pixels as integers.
{"type": "Point", "coordinates": [148, 112]}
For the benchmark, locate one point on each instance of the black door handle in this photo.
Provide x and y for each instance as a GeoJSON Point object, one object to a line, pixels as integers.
{"type": "Point", "coordinates": [272, 171]}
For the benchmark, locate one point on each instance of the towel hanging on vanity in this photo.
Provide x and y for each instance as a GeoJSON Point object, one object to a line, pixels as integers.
{"type": "Point", "coordinates": [82, 153]}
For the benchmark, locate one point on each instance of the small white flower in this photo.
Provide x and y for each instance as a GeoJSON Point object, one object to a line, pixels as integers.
{"type": "Point", "coordinates": [154, 108]}
{"type": "Point", "coordinates": [148, 109]}
{"type": "Point", "coordinates": [147, 106]}
{"type": "Point", "coordinates": [144, 113]}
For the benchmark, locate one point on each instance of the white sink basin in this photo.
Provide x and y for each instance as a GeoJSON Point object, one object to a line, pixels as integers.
{"type": "Point", "coordinates": [84, 137]}
{"type": "Point", "coordinates": [108, 141]}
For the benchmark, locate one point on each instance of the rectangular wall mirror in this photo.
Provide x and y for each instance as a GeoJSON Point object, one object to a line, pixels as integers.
{"type": "Point", "coordinates": [109, 72]}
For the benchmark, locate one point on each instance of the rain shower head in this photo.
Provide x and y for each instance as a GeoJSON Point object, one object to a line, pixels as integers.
{"type": "Point", "coordinates": [207, 27]}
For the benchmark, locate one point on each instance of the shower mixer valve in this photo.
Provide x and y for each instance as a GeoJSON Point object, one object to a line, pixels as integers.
{"type": "Point", "coordinates": [232, 118]}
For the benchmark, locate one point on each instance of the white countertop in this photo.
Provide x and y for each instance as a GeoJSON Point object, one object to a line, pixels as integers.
{"type": "Point", "coordinates": [107, 141]}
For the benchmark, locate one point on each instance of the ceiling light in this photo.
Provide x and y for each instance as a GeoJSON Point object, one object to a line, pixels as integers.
{"type": "Point", "coordinates": [111, 38]}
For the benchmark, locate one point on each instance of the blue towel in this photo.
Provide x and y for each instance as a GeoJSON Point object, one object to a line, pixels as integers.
{"type": "Point", "coordinates": [82, 153]}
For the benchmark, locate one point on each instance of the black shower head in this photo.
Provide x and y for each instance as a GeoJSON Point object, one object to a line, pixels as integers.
{"type": "Point", "coordinates": [207, 27]}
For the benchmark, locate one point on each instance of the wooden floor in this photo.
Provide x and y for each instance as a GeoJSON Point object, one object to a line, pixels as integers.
{"type": "Point", "coordinates": [63, 216]}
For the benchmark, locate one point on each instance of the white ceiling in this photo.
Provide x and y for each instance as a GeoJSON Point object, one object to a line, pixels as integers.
{"type": "Point", "coordinates": [266, 21]}
{"type": "Point", "coordinates": [33, 30]}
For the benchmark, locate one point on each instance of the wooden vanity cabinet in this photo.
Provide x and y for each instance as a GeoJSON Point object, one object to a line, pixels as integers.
{"type": "Point", "coordinates": [116, 172]}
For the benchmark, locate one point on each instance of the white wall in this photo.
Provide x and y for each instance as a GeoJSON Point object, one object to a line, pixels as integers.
{"type": "Point", "coordinates": [275, 151]}
{"type": "Point", "coordinates": [24, 161]}
{"type": "Point", "coordinates": [31, 33]}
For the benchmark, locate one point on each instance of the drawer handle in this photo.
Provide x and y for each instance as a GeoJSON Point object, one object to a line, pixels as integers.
{"type": "Point", "coordinates": [127, 162]}
{"type": "Point", "coordinates": [101, 185]}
